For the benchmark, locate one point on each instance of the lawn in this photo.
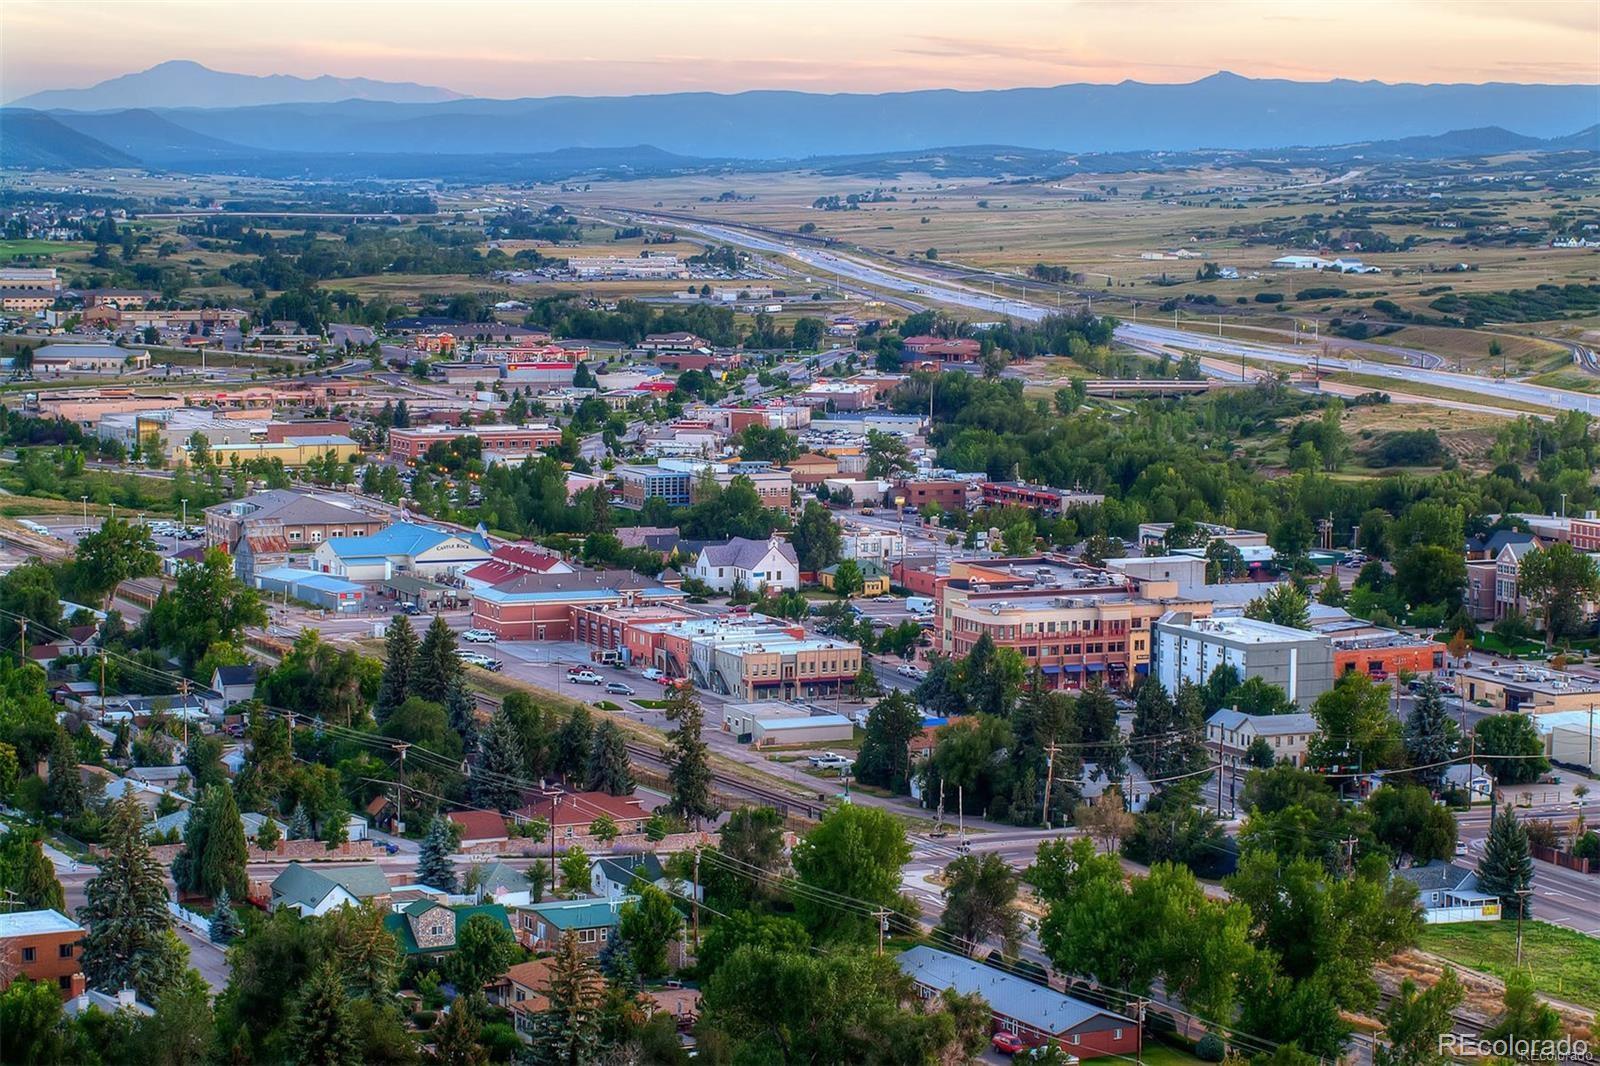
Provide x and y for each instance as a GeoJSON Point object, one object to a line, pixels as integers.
{"type": "Point", "coordinates": [650, 705]}
{"type": "Point", "coordinates": [1564, 964]}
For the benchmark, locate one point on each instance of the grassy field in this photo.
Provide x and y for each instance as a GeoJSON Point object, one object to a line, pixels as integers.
{"type": "Point", "coordinates": [13, 248]}
{"type": "Point", "coordinates": [1564, 964]}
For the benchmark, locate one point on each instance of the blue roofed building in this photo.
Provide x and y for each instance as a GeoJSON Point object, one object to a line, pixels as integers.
{"type": "Point", "coordinates": [402, 548]}
{"type": "Point", "coordinates": [322, 590]}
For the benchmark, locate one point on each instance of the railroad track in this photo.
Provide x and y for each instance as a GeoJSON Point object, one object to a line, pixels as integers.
{"type": "Point", "coordinates": [729, 785]}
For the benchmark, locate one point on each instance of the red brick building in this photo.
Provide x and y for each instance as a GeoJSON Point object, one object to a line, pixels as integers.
{"type": "Point", "coordinates": [957, 350]}
{"type": "Point", "coordinates": [533, 606]}
{"type": "Point", "coordinates": [408, 445]}
{"type": "Point", "coordinates": [42, 946]}
{"type": "Point", "coordinates": [949, 494]}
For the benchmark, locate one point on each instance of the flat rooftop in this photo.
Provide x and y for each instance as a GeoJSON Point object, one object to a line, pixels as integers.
{"type": "Point", "coordinates": [1243, 630]}
{"type": "Point", "coordinates": [1534, 679]}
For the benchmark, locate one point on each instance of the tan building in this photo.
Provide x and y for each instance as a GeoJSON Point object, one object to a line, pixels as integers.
{"type": "Point", "coordinates": [1076, 623]}
{"type": "Point", "coordinates": [1528, 689]}
{"type": "Point", "coordinates": [1230, 734]}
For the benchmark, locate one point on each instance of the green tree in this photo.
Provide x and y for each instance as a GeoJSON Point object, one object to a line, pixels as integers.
{"type": "Point", "coordinates": [1224, 561]}
{"type": "Point", "coordinates": [752, 842]}
{"type": "Point", "coordinates": [575, 867]}
{"type": "Point", "coordinates": [437, 663]}
{"type": "Point", "coordinates": [1506, 869]}
{"type": "Point", "coordinates": [207, 605]}
{"type": "Point", "coordinates": [485, 947]}
{"type": "Point", "coordinates": [495, 782]}
{"type": "Point", "coordinates": [1524, 1016]}
{"type": "Point", "coordinates": [400, 656]}
{"type": "Point", "coordinates": [856, 852]}
{"type": "Point", "coordinates": [572, 744]}
{"type": "Point", "coordinates": [129, 940]}
{"type": "Point", "coordinates": [569, 1034]}
{"type": "Point", "coordinates": [63, 794]}
{"type": "Point", "coordinates": [1355, 726]}
{"type": "Point", "coordinates": [608, 769]}
{"type": "Point", "coordinates": [1283, 605]}
{"type": "Point", "coordinates": [1416, 1020]}
{"type": "Point", "coordinates": [847, 579]}
{"type": "Point", "coordinates": [1432, 737]}
{"type": "Point", "coordinates": [1431, 574]}
{"type": "Point", "coordinates": [648, 925]}
{"type": "Point", "coordinates": [689, 759]}
{"type": "Point", "coordinates": [885, 758]}
{"type": "Point", "coordinates": [435, 866]}
{"type": "Point", "coordinates": [887, 455]}
{"type": "Point", "coordinates": [28, 592]}
{"type": "Point", "coordinates": [116, 552]}
{"type": "Point", "coordinates": [1407, 820]}
{"type": "Point", "coordinates": [604, 828]}
{"type": "Point", "coordinates": [214, 850]}
{"type": "Point", "coordinates": [322, 1023]}
{"type": "Point", "coordinates": [225, 926]}
{"type": "Point", "coordinates": [980, 903]}
{"type": "Point", "coordinates": [1512, 748]}
{"type": "Point", "coordinates": [1561, 580]}
{"type": "Point", "coordinates": [816, 539]}
{"type": "Point", "coordinates": [27, 876]}
{"type": "Point", "coordinates": [33, 1028]}
{"type": "Point", "coordinates": [458, 1037]}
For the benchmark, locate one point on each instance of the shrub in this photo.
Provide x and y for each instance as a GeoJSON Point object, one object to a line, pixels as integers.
{"type": "Point", "coordinates": [424, 1019]}
{"type": "Point", "coordinates": [1269, 297]}
{"type": "Point", "coordinates": [1210, 1048]}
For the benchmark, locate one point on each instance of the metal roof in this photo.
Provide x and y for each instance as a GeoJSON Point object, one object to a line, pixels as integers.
{"type": "Point", "coordinates": [33, 923]}
{"type": "Point", "coordinates": [1013, 997]}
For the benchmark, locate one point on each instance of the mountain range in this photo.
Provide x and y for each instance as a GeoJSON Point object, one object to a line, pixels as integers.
{"type": "Point", "coordinates": [1026, 131]}
{"type": "Point", "coordinates": [180, 82]}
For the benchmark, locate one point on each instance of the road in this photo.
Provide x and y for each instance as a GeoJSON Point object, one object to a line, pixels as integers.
{"type": "Point", "coordinates": [942, 291]}
{"type": "Point", "coordinates": [1560, 896]}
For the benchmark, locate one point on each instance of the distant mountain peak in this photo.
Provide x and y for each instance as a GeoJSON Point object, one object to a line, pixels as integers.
{"type": "Point", "coordinates": [183, 82]}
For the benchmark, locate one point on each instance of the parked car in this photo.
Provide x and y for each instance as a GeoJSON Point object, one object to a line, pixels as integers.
{"type": "Point", "coordinates": [910, 670]}
{"type": "Point", "coordinates": [410, 608]}
{"type": "Point", "coordinates": [652, 674]}
{"type": "Point", "coordinates": [618, 688]}
{"type": "Point", "coordinates": [479, 636]}
{"type": "Point", "coordinates": [476, 659]}
{"type": "Point", "coordinates": [830, 761]}
{"type": "Point", "coordinates": [1461, 847]}
{"type": "Point", "coordinates": [585, 677]}
{"type": "Point", "coordinates": [1007, 1043]}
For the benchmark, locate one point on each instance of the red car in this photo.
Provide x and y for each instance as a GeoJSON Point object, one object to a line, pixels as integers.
{"type": "Point", "coordinates": [1007, 1043]}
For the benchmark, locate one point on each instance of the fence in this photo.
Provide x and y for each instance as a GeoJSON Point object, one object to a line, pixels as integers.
{"type": "Point", "coordinates": [1564, 859]}
{"type": "Point", "coordinates": [191, 920]}
{"type": "Point", "coordinates": [1478, 912]}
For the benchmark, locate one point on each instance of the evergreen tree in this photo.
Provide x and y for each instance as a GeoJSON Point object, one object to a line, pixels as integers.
{"type": "Point", "coordinates": [462, 708]}
{"type": "Point", "coordinates": [214, 851]}
{"type": "Point", "coordinates": [128, 942]}
{"type": "Point", "coordinates": [457, 1037]}
{"type": "Point", "coordinates": [224, 922]}
{"type": "Point", "coordinates": [1507, 865]}
{"type": "Point", "coordinates": [267, 836]}
{"type": "Point", "coordinates": [573, 741]}
{"type": "Point", "coordinates": [299, 824]}
{"type": "Point", "coordinates": [119, 746]}
{"type": "Point", "coordinates": [608, 770]}
{"type": "Point", "coordinates": [322, 1026]}
{"type": "Point", "coordinates": [884, 757]}
{"type": "Point", "coordinates": [690, 772]}
{"type": "Point", "coordinates": [27, 876]}
{"type": "Point", "coordinates": [433, 861]}
{"type": "Point", "coordinates": [400, 646]}
{"type": "Point", "coordinates": [1432, 737]}
{"type": "Point", "coordinates": [568, 1034]}
{"type": "Point", "coordinates": [1166, 737]}
{"type": "Point", "coordinates": [500, 765]}
{"type": "Point", "coordinates": [437, 663]}
{"type": "Point", "coordinates": [63, 793]}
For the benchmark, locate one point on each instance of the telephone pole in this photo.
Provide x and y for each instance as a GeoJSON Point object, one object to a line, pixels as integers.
{"type": "Point", "coordinates": [400, 795]}
{"type": "Point", "coordinates": [694, 899]}
{"type": "Point", "coordinates": [183, 709]}
{"type": "Point", "coordinates": [1522, 906]}
{"type": "Point", "coordinates": [883, 926]}
{"type": "Point", "coordinates": [1049, 778]}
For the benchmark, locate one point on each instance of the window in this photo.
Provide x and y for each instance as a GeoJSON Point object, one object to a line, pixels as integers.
{"type": "Point", "coordinates": [28, 954]}
{"type": "Point", "coordinates": [64, 951]}
{"type": "Point", "coordinates": [1116, 1034]}
{"type": "Point", "coordinates": [1075, 1039]}
{"type": "Point", "coordinates": [65, 981]}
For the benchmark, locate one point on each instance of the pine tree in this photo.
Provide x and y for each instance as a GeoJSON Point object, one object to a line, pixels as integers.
{"type": "Point", "coordinates": [321, 1026]}
{"type": "Point", "coordinates": [1165, 742]}
{"type": "Point", "coordinates": [573, 741]}
{"type": "Point", "coordinates": [27, 876]}
{"type": "Point", "coordinates": [462, 709]}
{"type": "Point", "coordinates": [400, 646]}
{"type": "Point", "coordinates": [63, 794]}
{"type": "Point", "coordinates": [1432, 737]}
{"type": "Point", "coordinates": [119, 746]}
{"type": "Point", "coordinates": [608, 770]}
{"type": "Point", "coordinates": [1507, 865]}
{"type": "Point", "coordinates": [690, 773]}
{"type": "Point", "coordinates": [126, 910]}
{"type": "Point", "coordinates": [224, 921]}
{"type": "Point", "coordinates": [500, 760]}
{"type": "Point", "coordinates": [433, 861]}
{"type": "Point", "coordinates": [437, 663]}
{"type": "Point", "coordinates": [214, 849]}
{"type": "Point", "coordinates": [299, 824]}
{"type": "Point", "coordinates": [568, 1034]}
{"type": "Point", "coordinates": [456, 1039]}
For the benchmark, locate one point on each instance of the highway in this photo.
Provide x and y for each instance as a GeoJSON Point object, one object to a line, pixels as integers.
{"type": "Point", "coordinates": [829, 262]}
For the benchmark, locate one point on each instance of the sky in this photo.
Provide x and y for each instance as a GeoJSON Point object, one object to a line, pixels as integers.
{"type": "Point", "coordinates": [513, 48]}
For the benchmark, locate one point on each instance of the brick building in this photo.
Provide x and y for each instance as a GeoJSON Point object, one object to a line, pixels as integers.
{"type": "Point", "coordinates": [42, 945]}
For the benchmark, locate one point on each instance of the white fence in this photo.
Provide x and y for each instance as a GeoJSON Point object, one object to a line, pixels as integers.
{"type": "Point", "coordinates": [194, 922]}
{"type": "Point", "coordinates": [1478, 912]}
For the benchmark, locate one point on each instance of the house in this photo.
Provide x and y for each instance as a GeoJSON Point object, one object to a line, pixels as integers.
{"type": "Point", "coordinates": [382, 813]}
{"type": "Point", "coordinates": [1134, 786]}
{"type": "Point", "coordinates": [428, 927]}
{"type": "Point", "coordinates": [624, 875]}
{"type": "Point", "coordinates": [748, 564]}
{"type": "Point", "coordinates": [569, 814]}
{"type": "Point", "coordinates": [540, 926]}
{"type": "Point", "coordinates": [41, 945]}
{"type": "Point", "coordinates": [1449, 893]}
{"type": "Point", "coordinates": [1036, 1013]}
{"type": "Point", "coordinates": [403, 547]}
{"type": "Point", "coordinates": [177, 821]}
{"type": "Point", "coordinates": [499, 882]}
{"type": "Point", "coordinates": [522, 991]}
{"type": "Point", "coordinates": [1470, 778]}
{"type": "Point", "coordinates": [234, 684]}
{"type": "Point", "coordinates": [1230, 733]}
{"type": "Point", "coordinates": [172, 777]}
{"type": "Point", "coordinates": [148, 796]}
{"type": "Point", "coordinates": [874, 579]}
{"type": "Point", "coordinates": [480, 827]}
{"type": "Point", "coordinates": [125, 999]}
{"type": "Point", "coordinates": [316, 890]}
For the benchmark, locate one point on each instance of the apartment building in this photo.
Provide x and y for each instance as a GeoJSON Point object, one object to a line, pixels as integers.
{"type": "Point", "coordinates": [1076, 623]}
{"type": "Point", "coordinates": [42, 945]}
{"type": "Point", "coordinates": [1189, 648]}
{"type": "Point", "coordinates": [1230, 735]}
{"type": "Point", "coordinates": [1042, 498]}
{"type": "Point", "coordinates": [881, 546]}
{"type": "Point", "coordinates": [37, 279]}
{"type": "Point", "coordinates": [412, 443]}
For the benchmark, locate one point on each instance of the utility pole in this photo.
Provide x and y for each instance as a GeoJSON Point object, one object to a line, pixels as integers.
{"type": "Point", "coordinates": [961, 820]}
{"type": "Point", "coordinates": [103, 682]}
{"type": "Point", "coordinates": [694, 899]}
{"type": "Point", "coordinates": [555, 805]}
{"type": "Point", "coordinates": [1138, 1051]}
{"type": "Point", "coordinates": [400, 795]}
{"type": "Point", "coordinates": [883, 926]}
{"type": "Point", "coordinates": [22, 641]}
{"type": "Point", "coordinates": [1049, 775]}
{"type": "Point", "coordinates": [1350, 853]}
{"type": "Point", "coordinates": [1522, 905]}
{"type": "Point", "coordinates": [183, 709]}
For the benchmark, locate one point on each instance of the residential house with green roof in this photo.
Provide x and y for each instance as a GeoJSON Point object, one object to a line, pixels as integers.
{"type": "Point", "coordinates": [428, 927]}
{"type": "Point", "coordinates": [540, 926]}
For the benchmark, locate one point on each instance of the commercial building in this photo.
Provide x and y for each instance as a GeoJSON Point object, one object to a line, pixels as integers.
{"type": "Point", "coordinates": [810, 470]}
{"type": "Point", "coordinates": [548, 606]}
{"type": "Point", "coordinates": [1047, 501]}
{"type": "Point", "coordinates": [1378, 652]}
{"type": "Point", "coordinates": [957, 350]}
{"type": "Point", "coordinates": [41, 945]}
{"type": "Point", "coordinates": [675, 481]}
{"type": "Point", "coordinates": [811, 730]}
{"type": "Point", "coordinates": [640, 267]}
{"type": "Point", "coordinates": [1036, 1013]}
{"type": "Point", "coordinates": [36, 279]}
{"type": "Point", "coordinates": [1189, 648]}
{"type": "Point", "coordinates": [1075, 622]}
{"type": "Point", "coordinates": [1153, 535]}
{"type": "Point", "coordinates": [1186, 571]}
{"type": "Point", "coordinates": [280, 521]}
{"type": "Point", "coordinates": [949, 493]}
{"type": "Point", "coordinates": [751, 658]}
{"type": "Point", "coordinates": [509, 560]}
{"type": "Point", "coordinates": [320, 590]}
{"type": "Point", "coordinates": [678, 341]}
{"type": "Point", "coordinates": [412, 443]}
{"type": "Point", "coordinates": [296, 452]}
{"type": "Point", "coordinates": [881, 546]}
{"type": "Point", "coordinates": [1230, 733]}
{"type": "Point", "coordinates": [1528, 689]}
{"type": "Point", "coordinates": [57, 359]}
{"type": "Point", "coordinates": [404, 548]}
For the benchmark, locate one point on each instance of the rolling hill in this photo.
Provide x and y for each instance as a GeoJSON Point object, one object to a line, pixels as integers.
{"type": "Point", "coordinates": [181, 82]}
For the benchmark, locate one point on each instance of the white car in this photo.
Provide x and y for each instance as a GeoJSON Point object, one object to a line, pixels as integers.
{"type": "Point", "coordinates": [478, 659]}
{"type": "Point", "coordinates": [1461, 847]}
{"type": "Point", "coordinates": [910, 670]}
{"type": "Point", "coordinates": [830, 761]}
{"type": "Point", "coordinates": [585, 677]}
{"type": "Point", "coordinates": [652, 674]}
{"type": "Point", "coordinates": [479, 636]}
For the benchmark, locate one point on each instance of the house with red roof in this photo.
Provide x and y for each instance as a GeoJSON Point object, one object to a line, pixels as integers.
{"type": "Point", "coordinates": [569, 814]}
{"type": "Point", "coordinates": [479, 828]}
{"type": "Point", "coordinates": [513, 560]}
